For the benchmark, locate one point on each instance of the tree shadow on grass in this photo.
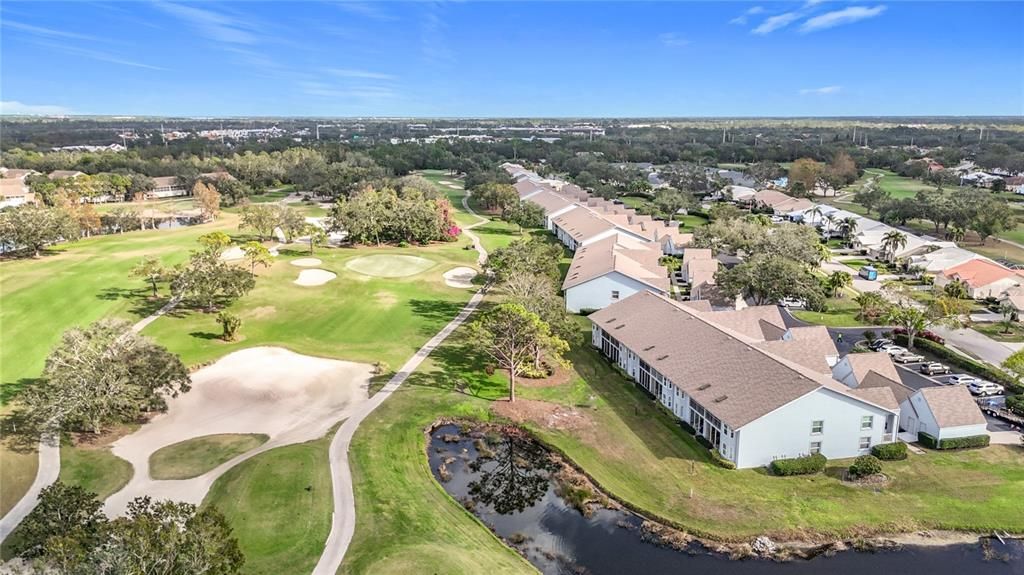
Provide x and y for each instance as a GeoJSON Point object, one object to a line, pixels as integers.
{"type": "Point", "coordinates": [461, 369]}
{"type": "Point", "coordinates": [438, 311]}
{"type": "Point", "coordinates": [205, 335]}
{"type": "Point", "coordinates": [10, 390]}
{"type": "Point", "coordinates": [142, 305]}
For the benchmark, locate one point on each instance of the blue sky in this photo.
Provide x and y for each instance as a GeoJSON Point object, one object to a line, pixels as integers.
{"type": "Point", "coordinates": [512, 59]}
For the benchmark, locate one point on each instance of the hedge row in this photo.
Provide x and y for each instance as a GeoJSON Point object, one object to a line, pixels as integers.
{"type": "Point", "coordinates": [799, 465]}
{"type": "Point", "coordinates": [890, 451]}
{"type": "Point", "coordinates": [953, 443]}
{"type": "Point", "coordinates": [957, 360]}
{"type": "Point", "coordinates": [1015, 403]}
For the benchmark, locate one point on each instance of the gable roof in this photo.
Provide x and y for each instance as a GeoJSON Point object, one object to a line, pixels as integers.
{"type": "Point", "coordinates": [14, 187]}
{"type": "Point", "coordinates": [878, 395]}
{"type": "Point", "coordinates": [160, 181]}
{"type": "Point", "coordinates": [582, 224]}
{"type": "Point", "coordinates": [629, 257]}
{"type": "Point", "coordinates": [750, 321]}
{"type": "Point", "coordinates": [874, 379]}
{"type": "Point", "coordinates": [952, 406]}
{"type": "Point", "coordinates": [718, 367]}
{"type": "Point", "coordinates": [58, 174]}
{"type": "Point", "coordinates": [877, 361]}
{"type": "Point", "coordinates": [810, 346]}
{"type": "Point", "coordinates": [979, 272]}
{"type": "Point", "coordinates": [549, 202]}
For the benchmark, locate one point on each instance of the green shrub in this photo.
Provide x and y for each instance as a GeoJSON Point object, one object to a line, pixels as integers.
{"type": "Point", "coordinates": [805, 465]}
{"type": "Point", "coordinates": [955, 359]}
{"type": "Point", "coordinates": [1015, 403]}
{"type": "Point", "coordinates": [721, 461]}
{"type": "Point", "coordinates": [864, 466]}
{"type": "Point", "coordinates": [970, 441]}
{"type": "Point", "coordinates": [890, 451]}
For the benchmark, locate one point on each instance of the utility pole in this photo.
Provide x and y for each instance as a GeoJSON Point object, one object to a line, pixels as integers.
{"type": "Point", "coordinates": [723, 135]}
{"type": "Point", "coordinates": [318, 132]}
{"type": "Point", "coordinates": [854, 138]}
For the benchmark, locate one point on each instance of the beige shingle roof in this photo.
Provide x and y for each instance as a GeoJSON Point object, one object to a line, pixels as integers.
{"type": "Point", "coordinates": [13, 187]}
{"type": "Point", "coordinates": [161, 181]}
{"type": "Point", "coordinates": [877, 361]}
{"type": "Point", "coordinates": [582, 224]}
{"type": "Point", "coordinates": [632, 258]}
{"type": "Point", "coordinates": [875, 379]}
{"type": "Point", "coordinates": [721, 369]}
{"type": "Point", "coordinates": [748, 321]}
{"type": "Point", "coordinates": [810, 346]}
{"type": "Point", "coordinates": [58, 174]}
{"type": "Point", "coordinates": [549, 201]}
{"type": "Point", "coordinates": [952, 406]}
{"type": "Point", "coordinates": [882, 396]}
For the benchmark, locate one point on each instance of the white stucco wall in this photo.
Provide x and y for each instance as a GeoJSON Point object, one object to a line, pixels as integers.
{"type": "Point", "coordinates": [843, 372]}
{"type": "Point", "coordinates": [963, 431]}
{"type": "Point", "coordinates": [597, 293]}
{"type": "Point", "coordinates": [925, 420]}
{"type": "Point", "coordinates": [786, 432]}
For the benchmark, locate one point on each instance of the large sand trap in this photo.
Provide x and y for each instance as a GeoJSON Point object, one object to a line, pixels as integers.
{"type": "Point", "coordinates": [389, 266]}
{"type": "Point", "coordinates": [307, 262]}
{"type": "Point", "coordinates": [460, 277]}
{"type": "Point", "coordinates": [291, 398]}
{"type": "Point", "coordinates": [315, 277]}
{"type": "Point", "coordinates": [444, 182]}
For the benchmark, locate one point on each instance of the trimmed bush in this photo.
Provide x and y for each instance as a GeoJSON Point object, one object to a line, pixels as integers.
{"type": "Point", "coordinates": [954, 443]}
{"type": "Point", "coordinates": [864, 466]}
{"type": "Point", "coordinates": [721, 461]}
{"type": "Point", "coordinates": [890, 451]}
{"type": "Point", "coordinates": [805, 465]}
{"type": "Point", "coordinates": [1015, 403]}
{"type": "Point", "coordinates": [955, 359]}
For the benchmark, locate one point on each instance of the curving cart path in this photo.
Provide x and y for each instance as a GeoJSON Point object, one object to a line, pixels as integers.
{"type": "Point", "coordinates": [343, 521]}
{"type": "Point", "coordinates": [49, 455]}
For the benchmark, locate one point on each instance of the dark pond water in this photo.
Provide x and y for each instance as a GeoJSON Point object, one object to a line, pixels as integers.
{"type": "Point", "coordinates": [512, 492]}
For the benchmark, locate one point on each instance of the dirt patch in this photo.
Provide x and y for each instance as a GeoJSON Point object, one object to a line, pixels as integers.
{"type": "Point", "coordinates": [560, 377]}
{"type": "Point", "coordinates": [543, 414]}
{"type": "Point", "coordinates": [261, 312]}
{"type": "Point", "coordinates": [385, 298]}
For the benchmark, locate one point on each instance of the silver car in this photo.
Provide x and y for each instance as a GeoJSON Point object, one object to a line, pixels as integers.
{"type": "Point", "coordinates": [961, 379]}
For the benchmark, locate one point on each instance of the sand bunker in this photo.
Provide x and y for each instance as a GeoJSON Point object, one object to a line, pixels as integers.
{"type": "Point", "coordinates": [232, 253]}
{"type": "Point", "coordinates": [454, 187]}
{"type": "Point", "coordinates": [460, 277]}
{"type": "Point", "coordinates": [314, 277]}
{"type": "Point", "coordinates": [307, 262]}
{"type": "Point", "coordinates": [389, 266]}
{"type": "Point", "coordinates": [290, 397]}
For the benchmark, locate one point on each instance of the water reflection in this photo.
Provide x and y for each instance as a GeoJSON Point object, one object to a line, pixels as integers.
{"type": "Point", "coordinates": [507, 481]}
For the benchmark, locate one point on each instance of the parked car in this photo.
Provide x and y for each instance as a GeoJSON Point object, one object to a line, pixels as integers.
{"type": "Point", "coordinates": [878, 344]}
{"type": "Point", "coordinates": [933, 368]}
{"type": "Point", "coordinates": [962, 379]}
{"type": "Point", "coordinates": [792, 302]}
{"type": "Point", "coordinates": [908, 358]}
{"type": "Point", "coordinates": [983, 388]}
{"type": "Point", "coordinates": [894, 350]}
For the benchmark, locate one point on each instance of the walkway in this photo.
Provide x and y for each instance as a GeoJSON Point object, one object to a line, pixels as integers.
{"type": "Point", "coordinates": [343, 520]}
{"type": "Point", "coordinates": [49, 455]}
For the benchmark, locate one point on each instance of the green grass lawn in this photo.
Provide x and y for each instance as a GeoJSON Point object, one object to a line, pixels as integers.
{"type": "Point", "coordinates": [690, 221]}
{"type": "Point", "coordinates": [17, 472]}
{"type": "Point", "coordinates": [94, 469]}
{"type": "Point", "coordinates": [279, 505]}
{"type": "Point", "coordinates": [841, 312]}
{"type": "Point", "coordinates": [996, 331]}
{"type": "Point", "coordinates": [194, 457]}
{"type": "Point", "coordinates": [898, 186]}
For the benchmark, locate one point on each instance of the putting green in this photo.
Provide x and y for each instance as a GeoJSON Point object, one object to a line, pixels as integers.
{"type": "Point", "coordinates": [389, 266]}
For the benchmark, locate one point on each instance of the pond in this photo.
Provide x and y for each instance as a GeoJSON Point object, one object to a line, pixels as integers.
{"type": "Point", "coordinates": [508, 481]}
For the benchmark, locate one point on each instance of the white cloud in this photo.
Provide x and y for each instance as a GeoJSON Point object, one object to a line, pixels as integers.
{"type": "Point", "coordinates": [16, 108]}
{"type": "Point", "coordinates": [774, 23]}
{"type": "Point", "coordinates": [365, 74]}
{"type": "Point", "coordinates": [672, 40]}
{"type": "Point", "coordinates": [823, 91]}
{"type": "Point", "coordinates": [40, 31]}
{"type": "Point", "coordinates": [839, 17]}
{"type": "Point", "coordinates": [366, 10]}
{"type": "Point", "coordinates": [742, 18]}
{"type": "Point", "coordinates": [214, 25]}
{"type": "Point", "coordinates": [98, 55]}
{"type": "Point", "coordinates": [347, 92]}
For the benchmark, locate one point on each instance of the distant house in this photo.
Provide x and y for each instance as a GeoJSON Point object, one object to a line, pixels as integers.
{"type": "Point", "coordinates": [582, 226]}
{"type": "Point", "coordinates": [612, 269]}
{"type": "Point", "coordinates": [15, 192]}
{"type": "Point", "coordinates": [735, 378]}
{"type": "Point", "coordinates": [779, 203]}
{"type": "Point", "coordinates": [984, 278]}
{"type": "Point", "coordinates": [64, 174]}
{"type": "Point", "coordinates": [218, 176]}
{"type": "Point", "coordinates": [16, 173]}
{"type": "Point", "coordinates": [166, 187]}
{"type": "Point", "coordinates": [943, 412]}
{"type": "Point", "coordinates": [698, 269]}
{"type": "Point", "coordinates": [553, 205]}
{"type": "Point", "coordinates": [939, 260]}
{"type": "Point", "coordinates": [740, 194]}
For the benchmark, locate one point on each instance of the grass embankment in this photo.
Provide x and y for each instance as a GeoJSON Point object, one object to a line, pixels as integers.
{"type": "Point", "coordinates": [194, 457]}
{"type": "Point", "coordinates": [840, 311]}
{"type": "Point", "coordinates": [94, 469]}
{"type": "Point", "coordinates": [279, 505]}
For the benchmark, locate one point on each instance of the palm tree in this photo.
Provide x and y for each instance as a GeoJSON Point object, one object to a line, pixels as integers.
{"type": "Point", "coordinates": [830, 222]}
{"type": "Point", "coordinates": [956, 234]}
{"type": "Point", "coordinates": [824, 253]}
{"type": "Point", "coordinates": [892, 242]}
{"type": "Point", "coordinates": [848, 227]}
{"type": "Point", "coordinates": [1009, 315]}
{"type": "Point", "coordinates": [872, 306]}
{"type": "Point", "coordinates": [837, 281]}
{"type": "Point", "coordinates": [816, 213]}
{"type": "Point", "coordinates": [956, 289]}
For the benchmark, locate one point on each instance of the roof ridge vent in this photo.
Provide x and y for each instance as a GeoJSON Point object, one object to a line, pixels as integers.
{"type": "Point", "coordinates": [704, 386]}
{"type": "Point", "coordinates": [720, 398]}
{"type": "Point", "coordinates": [663, 357]}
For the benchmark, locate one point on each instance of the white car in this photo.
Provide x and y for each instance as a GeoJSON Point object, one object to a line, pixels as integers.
{"type": "Point", "coordinates": [981, 387]}
{"type": "Point", "coordinates": [962, 379]}
{"type": "Point", "coordinates": [908, 358]}
{"type": "Point", "coordinates": [894, 350]}
{"type": "Point", "coordinates": [791, 302]}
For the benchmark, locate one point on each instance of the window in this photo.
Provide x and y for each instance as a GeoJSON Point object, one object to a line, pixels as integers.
{"type": "Point", "coordinates": [815, 447]}
{"type": "Point", "coordinates": [817, 427]}
{"type": "Point", "coordinates": [615, 294]}
{"type": "Point", "coordinates": [867, 422]}
{"type": "Point", "coordinates": [865, 443]}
